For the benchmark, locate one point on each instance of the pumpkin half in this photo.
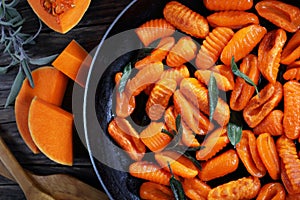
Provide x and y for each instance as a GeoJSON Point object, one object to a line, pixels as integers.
{"type": "Point", "coordinates": [60, 15]}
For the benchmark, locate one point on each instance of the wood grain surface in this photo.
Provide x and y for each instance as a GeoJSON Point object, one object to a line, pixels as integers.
{"type": "Point", "coordinates": [88, 33]}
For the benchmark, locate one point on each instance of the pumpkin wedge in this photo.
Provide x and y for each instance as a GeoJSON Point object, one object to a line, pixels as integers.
{"type": "Point", "coordinates": [74, 61]}
{"type": "Point", "coordinates": [50, 85]}
{"type": "Point", "coordinates": [60, 15]}
{"type": "Point", "coordinates": [51, 130]}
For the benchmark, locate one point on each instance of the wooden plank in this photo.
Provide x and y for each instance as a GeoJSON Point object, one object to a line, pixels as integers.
{"type": "Point", "coordinates": [5, 181]}
{"type": "Point", "coordinates": [7, 115]}
{"type": "Point", "coordinates": [11, 192]}
{"type": "Point", "coordinates": [85, 174]}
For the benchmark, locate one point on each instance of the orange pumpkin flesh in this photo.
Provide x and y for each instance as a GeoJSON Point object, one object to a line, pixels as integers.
{"type": "Point", "coordinates": [50, 85]}
{"type": "Point", "coordinates": [63, 22]}
{"type": "Point", "coordinates": [74, 62]}
{"type": "Point", "coordinates": [51, 130]}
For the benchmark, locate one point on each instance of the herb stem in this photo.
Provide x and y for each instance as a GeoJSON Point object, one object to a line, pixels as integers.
{"type": "Point", "coordinates": [12, 43]}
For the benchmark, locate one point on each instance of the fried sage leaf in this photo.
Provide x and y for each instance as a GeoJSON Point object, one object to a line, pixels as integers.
{"type": "Point", "coordinates": [126, 74]}
{"type": "Point", "coordinates": [213, 95]}
{"type": "Point", "coordinates": [234, 128]}
{"type": "Point", "coordinates": [240, 74]}
{"type": "Point", "coordinates": [234, 133]}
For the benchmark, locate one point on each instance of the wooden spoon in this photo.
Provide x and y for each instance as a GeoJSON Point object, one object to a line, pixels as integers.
{"type": "Point", "coordinates": [57, 186]}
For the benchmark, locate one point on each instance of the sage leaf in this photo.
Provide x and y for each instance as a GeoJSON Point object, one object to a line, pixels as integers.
{"type": "Point", "coordinates": [3, 70]}
{"type": "Point", "coordinates": [167, 132]}
{"type": "Point", "coordinates": [27, 72]}
{"type": "Point", "coordinates": [176, 134]}
{"type": "Point", "coordinates": [213, 95]}
{"type": "Point", "coordinates": [13, 3]}
{"type": "Point", "coordinates": [146, 51]}
{"type": "Point", "coordinates": [42, 61]}
{"type": "Point", "coordinates": [175, 142]}
{"type": "Point", "coordinates": [194, 161]}
{"type": "Point", "coordinates": [8, 46]}
{"type": "Point", "coordinates": [154, 44]}
{"type": "Point", "coordinates": [234, 132]}
{"type": "Point", "coordinates": [23, 35]}
{"type": "Point", "coordinates": [195, 148]}
{"type": "Point", "coordinates": [176, 186]}
{"type": "Point", "coordinates": [186, 153]}
{"type": "Point", "coordinates": [240, 74]}
{"type": "Point", "coordinates": [178, 122]}
{"type": "Point", "coordinates": [15, 88]}
{"type": "Point", "coordinates": [126, 74]}
{"type": "Point", "coordinates": [5, 23]}
{"type": "Point", "coordinates": [19, 23]}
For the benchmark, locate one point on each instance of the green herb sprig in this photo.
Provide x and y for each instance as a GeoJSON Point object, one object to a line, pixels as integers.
{"type": "Point", "coordinates": [12, 42]}
{"type": "Point", "coordinates": [238, 73]}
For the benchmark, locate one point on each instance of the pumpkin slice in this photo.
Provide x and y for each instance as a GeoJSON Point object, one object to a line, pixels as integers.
{"type": "Point", "coordinates": [60, 15]}
{"type": "Point", "coordinates": [50, 85]}
{"type": "Point", "coordinates": [51, 130]}
{"type": "Point", "coordinates": [74, 61]}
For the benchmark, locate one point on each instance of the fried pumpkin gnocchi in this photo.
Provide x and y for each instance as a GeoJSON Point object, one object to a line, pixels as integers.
{"type": "Point", "coordinates": [232, 19]}
{"type": "Point", "coordinates": [151, 190]}
{"type": "Point", "coordinates": [273, 124]}
{"type": "Point", "coordinates": [195, 189]}
{"type": "Point", "coordinates": [290, 162]}
{"type": "Point", "coordinates": [292, 74]}
{"type": "Point", "coordinates": [213, 143]}
{"type": "Point", "coordinates": [291, 116]}
{"type": "Point", "coordinates": [269, 54]}
{"type": "Point", "coordinates": [249, 155]}
{"type": "Point", "coordinates": [262, 104]}
{"type": "Point", "coordinates": [271, 191]}
{"type": "Point", "coordinates": [243, 188]}
{"type": "Point", "coordinates": [242, 91]}
{"type": "Point", "coordinates": [158, 54]}
{"type": "Point", "coordinates": [281, 14]}
{"type": "Point", "coordinates": [291, 51]}
{"type": "Point", "coordinates": [153, 30]}
{"type": "Point", "coordinates": [183, 51]}
{"type": "Point", "coordinates": [222, 73]}
{"type": "Point", "coordinates": [228, 5]}
{"type": "Point", "coordinates": [212, 47]}
{"type": "Point", "coordinates": [186, 19]}
{"type": "Point", "coordinates": [219, 166]}
{"type": "Point", "coordinates": [242, 43]}
{"type": "Point", "coordinates": [159, 98]}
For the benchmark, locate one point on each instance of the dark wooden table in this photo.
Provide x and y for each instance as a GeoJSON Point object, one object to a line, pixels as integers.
{"type": "Point", "coordinates": [88, 33]}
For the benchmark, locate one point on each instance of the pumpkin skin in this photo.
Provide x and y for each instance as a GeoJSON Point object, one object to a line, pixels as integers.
{"type": "Point", "coordinates": [63, 22]}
